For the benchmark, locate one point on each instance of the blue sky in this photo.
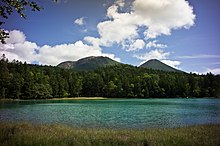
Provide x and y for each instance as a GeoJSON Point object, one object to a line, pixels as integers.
{"type": "Point", "coordinates": [183, 34]}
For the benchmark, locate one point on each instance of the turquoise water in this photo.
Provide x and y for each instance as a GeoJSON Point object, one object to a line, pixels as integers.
{"type": "Point", "coordinates": [115, 113]}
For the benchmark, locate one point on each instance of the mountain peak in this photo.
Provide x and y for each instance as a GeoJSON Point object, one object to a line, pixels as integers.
{"type": "Point", "coordinates": [88, 63]}
{"type": "Point", "coordinates": [158, 65]}
{"type": "Point", "coordinates": [93, 57]}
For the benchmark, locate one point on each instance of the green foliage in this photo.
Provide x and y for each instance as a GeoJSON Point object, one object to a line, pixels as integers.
{"type": "Point", "coordinates": [23, 81]}
{"type": "Point", "coordinates": [26, 134]}
{"type": "Point", "coordinates": [88, 63]}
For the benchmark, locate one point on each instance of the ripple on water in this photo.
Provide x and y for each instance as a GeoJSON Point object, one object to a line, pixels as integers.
{"type": "Point", "coordinates": [126, 113]}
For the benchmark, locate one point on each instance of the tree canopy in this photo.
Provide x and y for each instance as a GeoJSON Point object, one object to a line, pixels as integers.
{"type": "Point", "coordinates": [23, 81]}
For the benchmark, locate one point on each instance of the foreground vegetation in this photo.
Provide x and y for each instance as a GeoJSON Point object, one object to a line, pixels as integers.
{"type": "Point", "coordinates": [23, 81]}
{"type": "Point", "coordinates": [26, 134]}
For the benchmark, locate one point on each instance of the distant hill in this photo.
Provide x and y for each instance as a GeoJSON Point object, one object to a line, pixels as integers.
{"type": "Point", "coordinates": [158, 65]}
{"type": "Point", "coordinates": [94, 62]}
{"type": "Point", "coordinates": [88, 63]}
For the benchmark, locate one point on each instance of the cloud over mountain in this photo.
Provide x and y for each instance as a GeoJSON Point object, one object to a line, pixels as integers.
{"type": "Point", "coordinates": [157, 53]}
{"type": "Point", "coordinates": [17, 47]}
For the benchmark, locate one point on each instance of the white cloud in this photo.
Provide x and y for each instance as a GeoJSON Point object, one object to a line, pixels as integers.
{"type": "Point", "coordinates": [64, 52]}
{"type": "Point", "coordinates": [172, 63]}
{"type": "Point", "coordinates": [12, 56]}
{"type": "Point", "coordinates": [92, 40]}
{"type": "Point", "coordinates": [25, 50]}
{"type": "Point", "coordinates": [120, 3]}
{"type": "Point", "coordinates": [112, 56]}
{"type": "Point", "coordinates": [73, 51]}
{"type": "Point", "coordinates": [158, 17]}
{"type": "Point", "coordinates": [161, 16]}
{"type": "Point", "coordinates": [200, 56]}
{"type": "Point", "coordinates": [153, 54]}
{"type": "Point", "coordinates": [137, 45]}
{"type": "Point", "coordinates": [80, 21]}
{"type": "Point", "coordinates": [215, 71]}
{"type": "Point", "coordinates": [118, 29]}
{"type": "Point", "coordinates": [18, 48]}
{"type": "Point", "coordinates": [49, 55]}
{"type": "Point", "coordinates": [16, 36]}
{"type": "Point", "coordinates": [154, 44]}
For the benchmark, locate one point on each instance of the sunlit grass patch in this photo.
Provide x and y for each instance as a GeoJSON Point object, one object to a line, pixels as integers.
{"type": "Point", "coordinates": [26, 134]}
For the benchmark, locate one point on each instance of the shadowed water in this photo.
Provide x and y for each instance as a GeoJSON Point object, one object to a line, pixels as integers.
{"type": "Point", "coordinates": [118, 113]}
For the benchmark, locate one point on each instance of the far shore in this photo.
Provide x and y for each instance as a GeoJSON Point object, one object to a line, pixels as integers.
{"type": "Point", "coordinates": [64, 98]}
{"type": "Point", "coordinates": [80, 98]}
{"type": "Point", "coordinates": [90, 98]}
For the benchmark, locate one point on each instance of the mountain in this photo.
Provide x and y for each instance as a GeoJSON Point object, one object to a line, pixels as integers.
{"type": "Point", "coordinates": [94, 62]}
{"type": "Point", "coordinates": [88, 63]}
{"type": "Point", "coordinates": [158, 65]}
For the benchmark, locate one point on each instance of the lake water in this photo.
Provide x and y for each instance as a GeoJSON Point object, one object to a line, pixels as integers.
{"type": "Point", "coordinates": [115, 113]}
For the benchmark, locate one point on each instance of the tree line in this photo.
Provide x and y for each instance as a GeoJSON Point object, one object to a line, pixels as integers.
{"type": "Point", "coordinates": [26, 81]}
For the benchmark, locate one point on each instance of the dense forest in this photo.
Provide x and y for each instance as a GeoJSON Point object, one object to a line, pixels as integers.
{"type": "Point", "coordinates": [24, 81]}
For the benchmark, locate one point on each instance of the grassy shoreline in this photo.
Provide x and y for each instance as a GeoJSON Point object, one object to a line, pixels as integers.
{"type": "Point", "coordinates": [26, 134]}
{"type": "Point", "coordinates": [93, 98]}
{"type": "Point", "coordinates": [64, 98]}
{"type": "Point", "coordinates": [80, 98]}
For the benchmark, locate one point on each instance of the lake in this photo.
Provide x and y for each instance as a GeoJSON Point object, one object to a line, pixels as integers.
{"type": "Point", "coordinates": [115, 113]}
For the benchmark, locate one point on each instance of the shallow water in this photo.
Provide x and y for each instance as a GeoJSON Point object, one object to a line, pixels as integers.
{"type": "Point", "coordinates": [115, 113]}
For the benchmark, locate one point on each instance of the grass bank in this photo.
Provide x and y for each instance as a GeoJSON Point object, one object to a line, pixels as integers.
{"type": "Point", "coordinates": [26, 134]}
{"type": "Point", "coordinates": [65, 98]}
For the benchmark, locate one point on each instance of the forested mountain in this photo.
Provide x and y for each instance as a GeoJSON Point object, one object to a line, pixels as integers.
{"type": "Point", "coordinates": [156, 64]}
{"type": "Point", "coordinates": [88, 63]}
{"type": "Point", "coordinates": [24, 81]}
{"type": "Point", "coordinates": [92, 63]}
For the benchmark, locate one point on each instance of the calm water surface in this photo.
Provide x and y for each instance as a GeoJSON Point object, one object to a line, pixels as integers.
{"type": "Point", "coordinates": [124, 113]}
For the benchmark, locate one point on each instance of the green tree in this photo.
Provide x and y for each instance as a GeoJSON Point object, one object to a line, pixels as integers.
{"type": "Point", "coordinates": [92, 85]}
{"type": "Point", "coordinates": [28, 84]}
{"type": "Point", "coordinates": [54, 85]}
{"type": "Point", "coordinates": [75, 85]}
{"type": "Point", "coordinates": [16, 83]}
{"type": "Point", "coordinates": [110, 89]}
{"type": "Point", "coordinates": [28, 81]}
{"type": "Point", "coordinates": [4, 76]}
{"type": "Point", "coordinates": [41, 91]}
{"type": "Point", "coordinates": [61, 84]}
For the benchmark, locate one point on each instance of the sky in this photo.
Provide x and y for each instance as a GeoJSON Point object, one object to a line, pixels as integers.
{"type": "Point", "coordinates": [183, 34]}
